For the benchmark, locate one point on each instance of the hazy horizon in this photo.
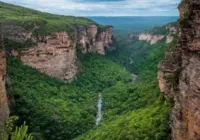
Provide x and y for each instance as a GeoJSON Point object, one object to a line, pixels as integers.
{"type": "Point", "coordinates": [128, 24]}
{"type": "Point", "coordinates": [109, 8]}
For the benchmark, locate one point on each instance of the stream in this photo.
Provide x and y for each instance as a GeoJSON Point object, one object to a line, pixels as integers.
{"type": "Point", "coordinates": [131, 61]}
{"type": "Point", "coordinates": [99, 111]}
{"type": "Point", "coordinates": [99, 103]}
{"type": "Point", "coordinates": [133, 77]}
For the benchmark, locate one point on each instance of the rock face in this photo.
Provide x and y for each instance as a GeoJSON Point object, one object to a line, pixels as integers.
{"type": "Point", "coordinates": [168, 70]}
{"type": "Point", "coordinates": [56, 54]}
{"type": "Point", "coordinates": [179, 74]}
{"type": "Point", "coordinates": [92, 40]}
{"type": "Point", "coordinates": [4, 110]}
{"type": "Point", "coordinates": [153, 36]}
{"type": "Point", "coordinates": [152, 39]}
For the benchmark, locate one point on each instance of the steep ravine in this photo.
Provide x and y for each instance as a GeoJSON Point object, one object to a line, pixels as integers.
{"type": "Point", "coordinates": [136, 110]}
{"type": "Point", "coordinates": [58, 110]}
{"type": "Point", "coordinates": [42, 53]}
{"type": "Point", "coordinates": [179, 74]}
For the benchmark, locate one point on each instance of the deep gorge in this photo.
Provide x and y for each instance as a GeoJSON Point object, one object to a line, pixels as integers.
{"type": "Point", "coordinates": [71, 78]}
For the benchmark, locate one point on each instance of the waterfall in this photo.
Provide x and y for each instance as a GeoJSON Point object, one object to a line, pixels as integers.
{"type": "Point", "coordinates": [99, 110]}
{"type": "Point", "coordinates": [134, 77]}
{"type": "Point", "coordinates": [131, 60]}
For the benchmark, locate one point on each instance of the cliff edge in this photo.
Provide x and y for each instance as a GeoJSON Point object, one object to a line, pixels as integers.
{"type": "Point", "coordinates": [50, 43]}
{"type": "Point", "coordinates": [56, 53]}
{"type": "Point", "coordinates": [4, 111]}
{"type": "Point", "coordinates": [179, 74]}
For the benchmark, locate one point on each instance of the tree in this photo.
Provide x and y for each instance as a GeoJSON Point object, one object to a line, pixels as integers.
{"type": "Point", "coordinates": [20, 133]}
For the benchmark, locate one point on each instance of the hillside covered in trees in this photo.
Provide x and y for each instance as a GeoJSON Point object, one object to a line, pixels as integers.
{"type": "Point", "coordinates": [125, 77]}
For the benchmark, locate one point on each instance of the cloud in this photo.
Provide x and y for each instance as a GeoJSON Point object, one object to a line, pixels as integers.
{"type": "Point", "coordinates": [103, 7]}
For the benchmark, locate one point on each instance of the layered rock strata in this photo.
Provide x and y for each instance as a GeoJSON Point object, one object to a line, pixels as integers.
{"type": "Point", "coordinates": [56, 54]}
{"type": "Point", "coordinates": [154, 36]}
{"type": "Point", "coordinates": [179, 74]}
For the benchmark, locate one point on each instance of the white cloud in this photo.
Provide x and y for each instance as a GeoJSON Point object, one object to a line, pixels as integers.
{"type": "Point", "coordinates": [111, 8]}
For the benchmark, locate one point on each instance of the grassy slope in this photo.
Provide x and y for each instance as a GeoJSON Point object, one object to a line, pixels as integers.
{"type": "Point", "coordinates": [46, 22]}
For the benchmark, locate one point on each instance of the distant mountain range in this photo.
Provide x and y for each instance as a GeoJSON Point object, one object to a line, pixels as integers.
{"type": "Point", "coordinates": [133, 24]}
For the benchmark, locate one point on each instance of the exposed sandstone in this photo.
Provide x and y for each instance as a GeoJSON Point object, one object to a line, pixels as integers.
{"type": "Point", "coordinates": [168, 69]}
{"type": "Point", "coordinates": [93, 41]}
{"type": "Point", "coordinates": [172, 30]}
{"type": "Point", "coordinates": [185, 91]}
{"type": "Point", "coordinates": [169, 39]}
{"type": "Point", "coordinates": [152, 39]}
{"type": "Point", "coordinates": [56, 54]}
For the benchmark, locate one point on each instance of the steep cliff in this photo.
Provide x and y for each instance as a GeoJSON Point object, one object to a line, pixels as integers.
{"type": "Point", "coordinates": [56, 54]}
{"type": "Point", "coordinates": [50, 43]}
{"type": "Point", "coordinates": [179, 74]}
{"type": "Point", "coordinates": [166, 32]}
{"type": "Point", "coordinates": [4, 111]}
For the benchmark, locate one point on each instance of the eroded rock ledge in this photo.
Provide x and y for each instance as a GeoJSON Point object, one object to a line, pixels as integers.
{"type": "Point", "coordinates": [56, 54]}
{"type": "Point", "coordinates": [179, 74]}
{"type": "Point", "coordinates": [153, 38]}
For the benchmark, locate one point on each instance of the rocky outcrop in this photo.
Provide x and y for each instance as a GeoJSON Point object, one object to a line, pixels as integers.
{"type": "Point", "coordinates": [179, 74]}
{"type": "Point", "coordinates": [169, 39]}
{"type": "Point", "coordinates": [4, 110]}
{"type": "Point", "coordinates": [94, 39]}
{"type": "Point", "coordinates": [152, 39]}
{"type": "Point", "coordinates": [56, 54]}
{"type": "Point", "coordinates": [168, 70]}
{"type": "Point", "coordinates": [153, 36]}
{"type": "Point", "coordinates": [171, 29]}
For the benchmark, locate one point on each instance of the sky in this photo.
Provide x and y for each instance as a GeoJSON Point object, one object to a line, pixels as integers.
{"type": "Point", "coordinates": [103, 7]}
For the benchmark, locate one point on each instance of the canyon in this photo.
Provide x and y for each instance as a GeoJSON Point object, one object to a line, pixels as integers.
{"type": "Point", "coordinates": [72, 106]}
{"type": "Point", "coordinates": [54, 55]}
{"type": "Point", "coordinates": [54, 52]}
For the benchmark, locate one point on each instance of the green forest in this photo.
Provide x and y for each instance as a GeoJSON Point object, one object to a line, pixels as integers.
{"type": "Point", "coordinates": [135, 111]}
{"type": "Point", "coordinates": [131, 110]}
{"type": "Point", "coordinates": [58, 110]}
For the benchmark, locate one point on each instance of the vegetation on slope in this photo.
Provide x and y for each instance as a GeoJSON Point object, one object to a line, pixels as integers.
{"type": "Point", "coordinates": [139, 56]}
{"type": "Point", "coordinates": [54, 109]}
{"type": "Point", "coordinates": [17, 133]}
{"type": "Point", "coordinates": [137, 110]}
{"type": "Point", "coordinates": [40, 23]}
{"type": "Point", "coordinates": [143, 124]}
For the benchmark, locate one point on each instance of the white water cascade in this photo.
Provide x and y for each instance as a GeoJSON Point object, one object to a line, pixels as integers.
{"type": "Point", "coordinates": [134, 77]}
{"type": "Point", "coordinates": [131, 61]}
{"type": "Point", "coordinates": [99, 110]}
